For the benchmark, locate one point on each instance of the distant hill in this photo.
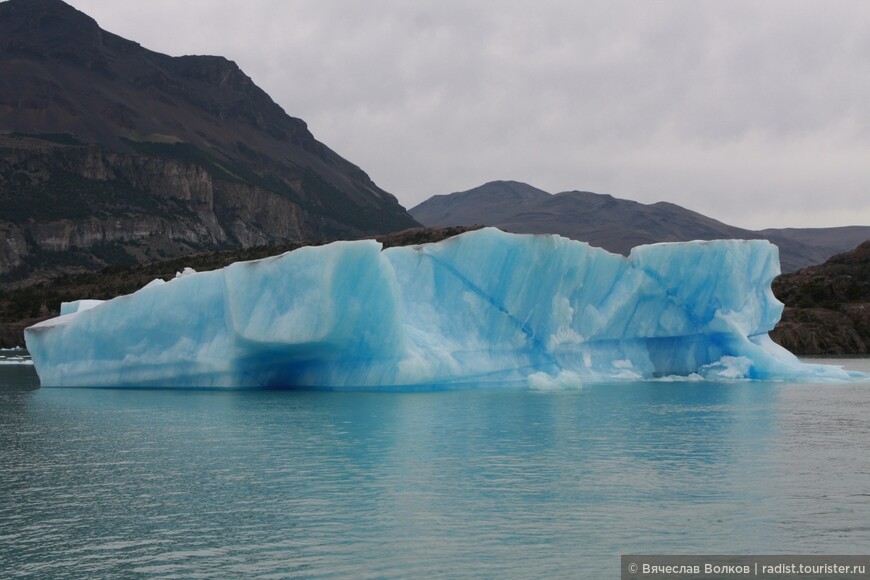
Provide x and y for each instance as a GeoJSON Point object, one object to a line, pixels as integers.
{"type": "Point", "coordinates": [827, 306]}
{"type": "Point", "coordinates": [815, 245]}
{"type": "Point", "coordinates": [111, 153]}
{"type": "Point", "coordinates": [617, 224]}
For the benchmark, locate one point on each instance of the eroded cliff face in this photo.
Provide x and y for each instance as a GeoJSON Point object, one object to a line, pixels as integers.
{"type": "Point", "coordinates": [13, 248]}
{"type": "Point", "coordinates": [159, 177]}
{"type": "Point", "coordinates": [112, 208]}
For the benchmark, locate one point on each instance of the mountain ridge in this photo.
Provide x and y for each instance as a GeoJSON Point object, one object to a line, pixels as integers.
{"type": "Point", "coordinates": [618, 225]}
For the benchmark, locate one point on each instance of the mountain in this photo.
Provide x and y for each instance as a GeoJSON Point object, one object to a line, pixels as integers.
{"type": "Point", "coordinates": [111, 153]}
{"type": "Point", "coordinates": [617, 224]}
{"type": "Point", "coordinates": [827, 306]}
{"type": "Point", "coordinates": [489, 204]}
{"type": "Point", "coordinates": [818, 244]}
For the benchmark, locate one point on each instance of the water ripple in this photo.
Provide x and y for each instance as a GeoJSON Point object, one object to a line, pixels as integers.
{"type": "Point", "coordinates": [99, 483]}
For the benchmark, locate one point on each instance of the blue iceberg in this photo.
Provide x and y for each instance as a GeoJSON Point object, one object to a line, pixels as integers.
{"type": "Point", "coordinates": [483, 308]}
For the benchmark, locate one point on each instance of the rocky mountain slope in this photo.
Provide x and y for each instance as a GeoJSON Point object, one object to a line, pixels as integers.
{"type": "Point", "coordinates": [618, 224]}
{"type": "Point", "coordinates": [827, 306]}
{"type": "Point", "coordinates": [111, 153]}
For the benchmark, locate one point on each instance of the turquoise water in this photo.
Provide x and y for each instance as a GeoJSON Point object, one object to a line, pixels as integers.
{"type": "Point", "coordinates": [486, 483]}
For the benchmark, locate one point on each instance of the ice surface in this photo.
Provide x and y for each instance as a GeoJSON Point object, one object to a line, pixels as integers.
{"type": "Point", "coordinates": [483, 308]}
{"type": "Point", "coordinates": [77, 306]}
{"type": "Point", "coordinates": [14, 356]}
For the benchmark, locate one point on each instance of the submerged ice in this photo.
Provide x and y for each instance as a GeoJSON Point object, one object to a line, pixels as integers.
{"type": "Point", "coordinates": [486, 307]}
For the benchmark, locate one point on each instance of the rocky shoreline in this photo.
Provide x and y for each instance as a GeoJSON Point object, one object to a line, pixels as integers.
{"type": "Point", "coordinates": [827, 306]}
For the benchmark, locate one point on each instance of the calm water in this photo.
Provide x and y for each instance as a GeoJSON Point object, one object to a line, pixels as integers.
{"type": "Point", "coordinates": [447, 484]}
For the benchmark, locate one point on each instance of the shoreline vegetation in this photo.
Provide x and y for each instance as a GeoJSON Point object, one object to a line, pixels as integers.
{"type": "Point", "coordinates": [827, 307]}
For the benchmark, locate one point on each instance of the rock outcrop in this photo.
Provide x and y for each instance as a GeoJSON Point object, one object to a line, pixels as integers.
{"type": "Point", "coordinates": [827, 306]}
{"type": "Point", "coordinates": [111, 153]}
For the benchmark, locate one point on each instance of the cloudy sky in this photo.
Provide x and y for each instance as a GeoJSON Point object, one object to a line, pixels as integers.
{"type": "Point", "coordinates": [755, 113]}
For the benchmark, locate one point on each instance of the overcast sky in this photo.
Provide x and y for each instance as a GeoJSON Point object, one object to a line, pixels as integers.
{"type": "Point", "coordinates": [754, 113]}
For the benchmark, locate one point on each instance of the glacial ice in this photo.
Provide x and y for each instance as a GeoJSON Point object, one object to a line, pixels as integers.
{"type": "Point", "coordinates": [482, 308]}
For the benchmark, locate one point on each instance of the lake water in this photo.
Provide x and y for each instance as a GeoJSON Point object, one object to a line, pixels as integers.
{"type": "Point", "coordinates": [474, 483]}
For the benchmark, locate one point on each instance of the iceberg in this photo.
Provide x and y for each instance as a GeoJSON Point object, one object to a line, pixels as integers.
{"type": "Point", "coordinates": [484, 308]}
